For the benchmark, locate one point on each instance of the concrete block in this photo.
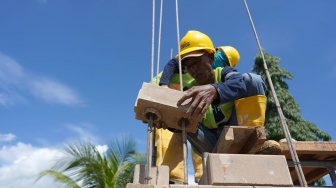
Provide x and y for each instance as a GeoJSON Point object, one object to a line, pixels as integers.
{"type": "Point", "coordinates": [134, 185]}
{"type": "Point", "coordinates": [281, 187]}
{"type": "Point", "coordinates": [162, 175]}
{"type": "Point", "coordinates": [248, 170]}
{"type": "Point", "coordinates": [139, 174]}
{"type": "Point", "coordinates": [161, 102]}
{"type": "Point", "coordinates": [240, 139]}
{"type": "Point", "coordinates": [159, 175]}
{"type": "Point", "coordinates": [207, 186]}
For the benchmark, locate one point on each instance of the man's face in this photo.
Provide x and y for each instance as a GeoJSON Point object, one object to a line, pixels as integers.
{"type": "Point", "coordinates": [200, 68]}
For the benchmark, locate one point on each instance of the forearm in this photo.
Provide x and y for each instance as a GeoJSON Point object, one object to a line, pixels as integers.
{"type": "Point", "coordinates": [168, 72]}
{"type": "Point", "coordinates": [231, 89]}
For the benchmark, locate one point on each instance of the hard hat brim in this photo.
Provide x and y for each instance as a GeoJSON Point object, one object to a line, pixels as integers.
{"type": "Point", "coordinates": [193, 55]}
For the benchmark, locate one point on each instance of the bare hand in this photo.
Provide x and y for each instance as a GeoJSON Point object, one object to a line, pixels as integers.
{"type": "Point", "coordinates": [202, 98]}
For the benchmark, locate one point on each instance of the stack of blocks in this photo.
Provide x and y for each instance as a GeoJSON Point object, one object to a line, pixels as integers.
{"type": "Point", "coordinates": [227, 171]}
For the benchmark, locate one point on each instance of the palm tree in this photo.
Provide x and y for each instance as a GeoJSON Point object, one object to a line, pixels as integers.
{"type": "Point", "coordinates": [84, 166]}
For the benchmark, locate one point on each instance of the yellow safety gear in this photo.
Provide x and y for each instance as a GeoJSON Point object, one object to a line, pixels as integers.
{"type": "Point", "coordinates": [231, 53]}
{"type": "Point", "coordinates": [194, 41]}
{"type": "Point", "coordinates": [175, 81]}
{"type": "Point", "coordinates": [169, 152]}
{"type": "Point", "coordinates": [197, 163]}
{"type": "Point", "coordinates": [251, 110]}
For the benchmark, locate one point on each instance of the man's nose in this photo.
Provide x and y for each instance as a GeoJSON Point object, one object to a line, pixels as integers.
{"type": "Point", "coordinates": [193, 68]}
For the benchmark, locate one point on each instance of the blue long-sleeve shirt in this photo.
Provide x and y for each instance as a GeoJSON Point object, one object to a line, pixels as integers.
{"type": "Point", "coordinates": [231, 87]}
{"type": "Point", "coordinates": [229, 84]}
{"type": "Point", "coordinates": [169, 70]}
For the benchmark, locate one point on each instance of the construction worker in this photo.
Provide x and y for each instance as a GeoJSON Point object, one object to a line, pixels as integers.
{"type": "Point", "coordinates": [169, 150]}
{"type": "Point", "coordinates": [170, 78]}
{"type": "Point", "coordinates": [216, 116]}
{"type": "Point", "coordinates": [212, 90]}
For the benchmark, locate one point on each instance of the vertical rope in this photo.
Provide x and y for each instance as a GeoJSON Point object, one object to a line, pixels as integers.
{"type": "Point", "coordinates": [178, 45]}
{"type": "Point", "coordinates": [152, 56]}
{"type": "Point", "coordinates": [159, 43]}
{"type": "Point", "coordinates": [148, 167]}
{"type": "Point", "coordinates": [295, 158]}
{"type": "Point", "coordinates": [185, 146]}
{"type": "Point", "coordinates": [150, 127]}
{"type": "Point", "coordinates": [185, 152]}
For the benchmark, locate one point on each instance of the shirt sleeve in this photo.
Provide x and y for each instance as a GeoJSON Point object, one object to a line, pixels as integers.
{"type": "Point", "coordinates": [230, 88]}
{"type": "Point", "coordinates": [168, 71]}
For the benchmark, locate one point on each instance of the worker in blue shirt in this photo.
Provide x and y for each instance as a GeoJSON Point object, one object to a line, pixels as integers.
{"type": "Point", "coordinates": [172, 155]}
{"type": "Point", "coordinates": [218, 89]}
{"type": "Point", "coordinates": [231, 86]}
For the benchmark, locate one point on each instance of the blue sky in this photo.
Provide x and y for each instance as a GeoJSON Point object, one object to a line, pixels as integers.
{"type": "Point", "coordinates": [72, 70]}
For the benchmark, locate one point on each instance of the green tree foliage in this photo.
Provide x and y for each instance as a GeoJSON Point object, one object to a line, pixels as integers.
{"type": "Point", "coordinates": [84, 166]}
{"type": "Point", "coordinates": [299, 128]}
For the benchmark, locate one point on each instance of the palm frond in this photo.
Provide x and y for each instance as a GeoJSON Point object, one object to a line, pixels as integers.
{"type": "Point", "coordinates": [59, 177]}
{"type": "Point", "coordinates": [84, 166]}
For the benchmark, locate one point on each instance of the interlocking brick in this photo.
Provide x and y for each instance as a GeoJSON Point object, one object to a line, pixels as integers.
{"type": "Point", "coordinates": [162, 101]}
{"type": "Point", "coordinates": [207, 186]}
{"type": "Point", "coordinates": [251, 170]}
{"type": "Point", "coordinates": [159, 175]}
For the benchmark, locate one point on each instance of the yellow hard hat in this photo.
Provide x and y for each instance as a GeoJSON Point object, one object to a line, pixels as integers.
{"type": "Point", "coordinates": [231, 53]}
{"type": "Point", "coordinates": [193, 41]}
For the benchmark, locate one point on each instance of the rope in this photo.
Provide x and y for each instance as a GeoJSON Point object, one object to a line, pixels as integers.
{"type": "Point", "coordinates": [159, 43]}
{"type": "Point", "coordinates": [295, 158]}
{"type": "Point", "coordinates": [152, 56]}
{"type": "Point", "coordinates": [178, 45]}
{"type": "Point", "coordinates": [149, 150]}
{"type": "Point", "coordinates": [150, 126]}
{"type": "Point", "coordinates": [185, 146]}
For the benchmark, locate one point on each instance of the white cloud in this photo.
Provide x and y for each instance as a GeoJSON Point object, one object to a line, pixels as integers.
{"type": "Point", "coordinates": [53, 92]}
{"type": "Point", "coordinates": [84, 130]}
{"type": "Point", "coordinates": [9, 98]}
{"type": "Point", "coordinates": [16, 84]}
{"type": "Point", "coordinates": [7, 137]}
{"type": "Point", "coordinates": [21, 164]}
{"type": "Point", "coordinates": [10, 70]}
{"type": "Point", "coordinates": [102, 149]}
